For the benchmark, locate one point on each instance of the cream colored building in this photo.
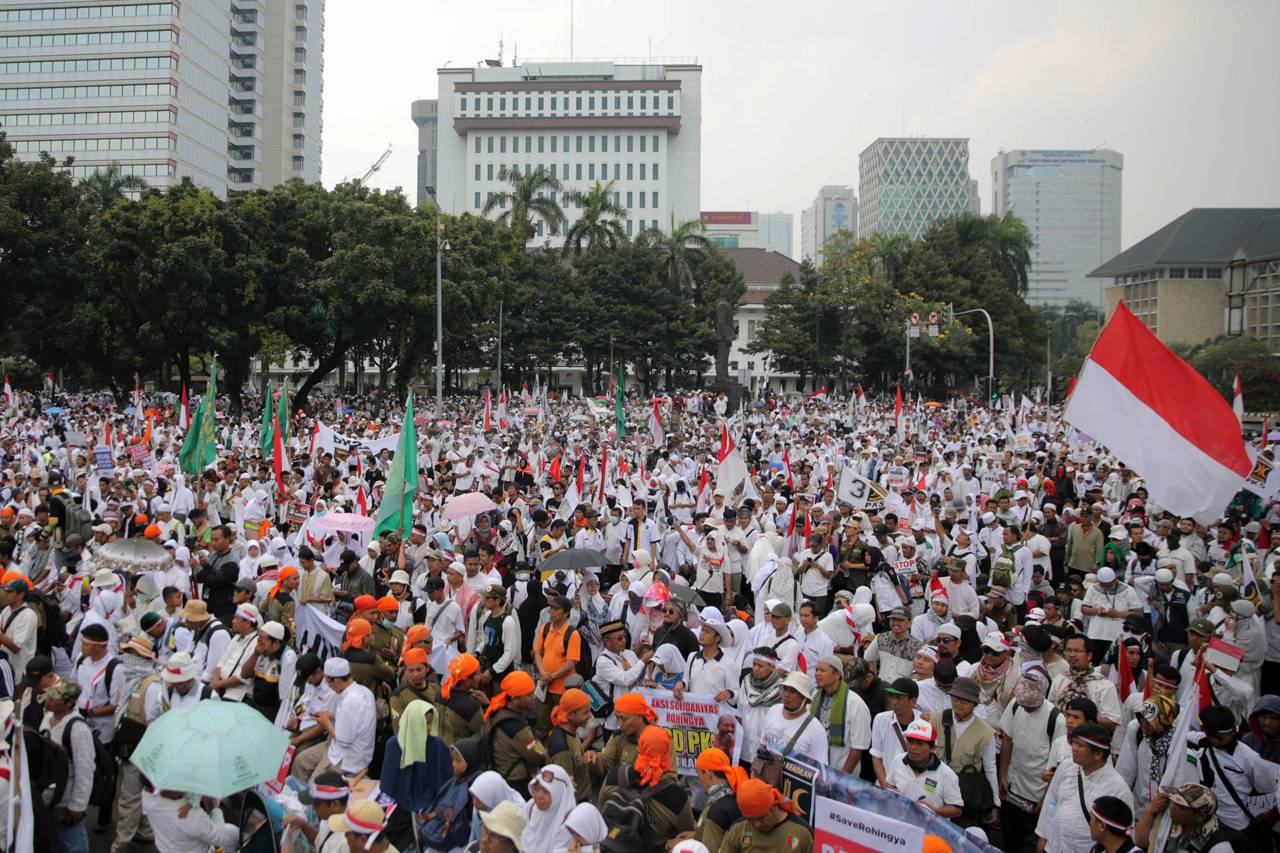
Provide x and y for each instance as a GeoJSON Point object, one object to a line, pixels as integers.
{"type": "Point", "coordinates": [1180, 282]}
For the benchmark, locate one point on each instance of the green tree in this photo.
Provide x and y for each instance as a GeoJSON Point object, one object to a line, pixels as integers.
{"type": "Point", "coordinates": [1222, 359]}
{"type": "Point", "coordinates": [677, 249]}
{"type": "Point", "coordinates": [599, 222]}
{"type": "Point", "coordinates": [106, 186]}
{"type": "Point", "coordinates": [528, 198]}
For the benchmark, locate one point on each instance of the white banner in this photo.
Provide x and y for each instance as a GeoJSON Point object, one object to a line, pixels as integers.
{"type": "Point", "coordinates": [842, 828]}
{"type": "Point", "coordinates": [696, 723]}
{"type": "Point", "coordinates": [317, 632]}
{"type": "Point", "coordinates": [328, 441]}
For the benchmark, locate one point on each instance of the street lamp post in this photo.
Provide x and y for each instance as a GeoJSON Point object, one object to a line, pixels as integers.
{"type": "Point", "coordinates": [991, 348]}
{"type": "Point", "coordinates": [442, 246]}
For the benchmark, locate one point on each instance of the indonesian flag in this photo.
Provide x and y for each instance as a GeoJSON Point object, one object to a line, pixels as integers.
{"type": "Point", "coordinates": [656, 431]}
{"type": "Point", "coordinates": [819, 396]}
{"type": "Point", "coordinates": [1122, 675]}
{"type": "Point", "coordinates": [604, 475]}
{"type": "Point", "coordinates": [786, 466]}
{"type": "Point", "coordinates": [862, 397]}
{"type": "Point", "coordinates": [502, 409]}
{"type": "Point", "coordinates": [704, 491]}
{"type": "Point", "coordinates": [573, 495]}
{"type": "Point", "coordinates": [524, 392]}
{"type": "Point", "coordinates": [1155, 412]}
{"type": "Point", "coordinates": [277, 460]}
{"type": "Point", "coordinates": [1237, 399]}
{"type": "Point", "coordinates": [184, 413]}
{"type": "Point", "coordinates": [488, 423]}
{"type": "Point", "coordinates": [899, 424]}
{"type": "Point", "coordinates": [8, 391]}
{"type": "Point", "coordinates": [554, 469]}
{"type": "Point", "coordinates": [726, 443]}
{"type": "Point", "coordinates": [362, 502]}
{"type": "Point", "coordinates": [137, 399]}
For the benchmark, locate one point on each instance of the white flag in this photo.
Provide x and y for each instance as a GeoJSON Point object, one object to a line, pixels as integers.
{"type": "Point", "coordinates": [853, 489]}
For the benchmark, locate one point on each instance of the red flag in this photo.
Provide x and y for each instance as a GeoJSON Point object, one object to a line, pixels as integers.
{"type": "Point", "coordinates": [554, 471]}
{"type": "Point", "coordinates": [604, 477]}
{"type": "Point", "coordinates": [808, 528]}
{"type": "Point", "coordinates": [362, 503]}
{"type": "Point", "coordinates": [277, 452]}
{"type": "Point", "coordinates": [726, 443]}
{"type": "Point", "coordinates": [488, 424]}
{"type": "Point", "coordinates": [622, 465]}
{"type": "Point", "coordinates": [897, 415]}
{"type": "Point", "coordinates": [1126, 685]}
{"type": "Point", "coordinates": [786, 464]}
{"type": "Point", "coordinates": [184, 415]}
{"type": "Point", "coordinates": [1202, 683]}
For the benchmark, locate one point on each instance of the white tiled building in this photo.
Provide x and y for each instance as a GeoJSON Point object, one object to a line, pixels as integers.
{"type": "Point", "coordinates": [638, 124]}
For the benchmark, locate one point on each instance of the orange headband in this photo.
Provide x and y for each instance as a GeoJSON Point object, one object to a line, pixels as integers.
{"type": "Point", "coordinates": [460, 669]}
{"type": "Point", "coordinates": [756, 797]}
{"type": "Point", "coordinates": [285, 573]}
{"type": "Point", "coordinates": [365, 602]}
{"type": "Point", "coordinates": [357, 631]}
{"type": "Point", "coordinates": [714, 760]}
{"type": "Point", "coordinates": [572, 700]}
{"type": "Point", "coordinates": [654, 757]}
{"type": "Point", "coordinates": [414, 657]}
{"type": "Point", "coordinates": [516, 684]}
{"type": "Point", "coordinates": [388, 604]}
{"type": "Point", "coordinates": [634, 703]}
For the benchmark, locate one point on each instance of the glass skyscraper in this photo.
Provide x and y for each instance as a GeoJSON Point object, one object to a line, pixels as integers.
{"type": "Point", "coordinates": [905, 184]}
{"type": "Point", "coordinates": [1070, 201]}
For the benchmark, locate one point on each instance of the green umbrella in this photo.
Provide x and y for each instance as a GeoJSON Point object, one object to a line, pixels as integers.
{"type": "Point", "coordinates": [210, 748]}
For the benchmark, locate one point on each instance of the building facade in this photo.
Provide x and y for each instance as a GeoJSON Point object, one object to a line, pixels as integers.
{"type": "Point", "coordinates": [1071, 204]}
{"type": "Point", "coordinates": [905, 184]}
{"type": "Point", "coordinates": [426, 117]}
{"type": "Point", "coordinates": [834, 209]}
{"type": "Point", "coordinates": [731, 229]}
{"type": "Point", "coordinates": [763, 271]}
{"type": "Point", "coordinates": [639, 125]}
{"type": "Point", "coordinates": [776, 233]}
{"type": "Point", "coordinates": [1212, 271]}
{"type": "Point", "coordinates": [224, 92]}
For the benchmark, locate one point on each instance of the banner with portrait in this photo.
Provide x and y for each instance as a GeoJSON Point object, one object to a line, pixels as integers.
{"type": "Point", "coordinates": [696, 723]}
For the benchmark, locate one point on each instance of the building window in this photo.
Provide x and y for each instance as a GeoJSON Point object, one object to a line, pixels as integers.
{"type": "Point", "coordinates": [477, 205]}
{"type": "Point", "coordinates": [477, 145]}
{"type": "Point", "coordinates": [300, 76]}
{"type": "Point", "coordinates": [299, 99]}
{"type": "Point", "coordinates": [617, 143]}
{"type": "Point", "coordinates": [578, 148]}
{"type": "Point", "coordinates": [642, 171]}
{"type": "Point", "coordinates": [617, 102]}
{"type": "Point", "coordinates": [540, 99]}
{"type": "Point", "coordinates": [591, 103]}
{"type": "Point", "coordinates": [630, 147]}
{"type": "Point", "coordinates": [299, 54]}
{"type": "Point", "coordinates": [642, 99]}
{"type": "Point", "coordinates": [298, 141]}
{"type": "Point", "coordinates": [591, 171]}
{"type": "Point", "coordinates": [577, 103]}
{"type": "Point", "coordinates": [489, 104]}
{"type": "Point", "coordinates": [630, 102]}
{"type": "Point", "coordinates": [655, 171]}
{"type": "Point", "coordinates": [630, 174]}
{"type": "Point", "coordinates": [642, 142]}
{"type": "Point", "coordinates": [502, 105]}
{"type": "Point", "coordinates": [299, 33]}
{"type": "Point", "coordinates": [671, 103]}
{"type": "Point", "coordinates": [553, 145]}
{"type": "Point", "coordinates": [527, 102]}
{"type": "Point", "coordinates": [299, 121]}
{"type": "Point", "coordinates": [477, 177]}
{"type": "Point", "coordinates": [628, 202]}
{"type": "Point", "coordinates": [655, 143]}
{"type": "Point", "coordinates": [297, 164]}
{"type": "Point", "coordinates": [577, 168]}
{"type": "Point", "coordinates": [502, 144]}
{"type": "Point", "coordinates": [489, 172]}
{"type": "Point", "coordinates": [655, 198]}
{"type": "Point", "coordinates": [299, 12]}
{"type": "Point", "coordinates": [642, 199]}
{"type": "Point", "coordinates": [629, 224]}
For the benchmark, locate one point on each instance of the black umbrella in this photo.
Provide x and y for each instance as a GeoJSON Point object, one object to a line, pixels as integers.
{"type": "Point", "coordinates": [574, 558]}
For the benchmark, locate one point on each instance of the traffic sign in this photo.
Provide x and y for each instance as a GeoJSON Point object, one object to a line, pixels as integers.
{"type": "Point", "coordinates": [915, 318]}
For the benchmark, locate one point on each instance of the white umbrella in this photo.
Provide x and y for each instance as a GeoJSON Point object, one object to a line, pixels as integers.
{"type": "Point", "coordinates": [344, 522]}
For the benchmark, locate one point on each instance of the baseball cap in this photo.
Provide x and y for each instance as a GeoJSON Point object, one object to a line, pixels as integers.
{"type": "Point", "coordinates": [1203, 627]}
{"type": "Point", "coordinates": [904, 687]}
{"type": "Point", "coordinates": [920, 730]}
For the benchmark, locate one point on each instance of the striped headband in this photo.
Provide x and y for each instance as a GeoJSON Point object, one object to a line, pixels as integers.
{"type": "Point", "coordinates": [355, 824]}
{"type": "Point", "coordinates": [328, 792]}
{"type": "Point", "coordinates": [1123, 827]}
{"type": "Point", "coordinates": [1096, 744]}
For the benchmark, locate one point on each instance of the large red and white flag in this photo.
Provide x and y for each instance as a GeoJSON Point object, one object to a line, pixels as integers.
{"type": "Point", "coordinates": [1161, 418]}
{"type": "Point", "coordinates": [726, 442]}
{"type": "Point", "coordinates": [502, 409]}
{"type": "Point", "coordinates": [8, 392]}
{"type": "Point", "coordinates": [1237, 399]}
{"type": "Point", "coordinates": [656, 432]}
{"type": "Point", "coordinates": [184, 414]}
{"type": "Point", "coordinates": [488, 421]}
{"type": "Point", "coordinates": [899, 422]}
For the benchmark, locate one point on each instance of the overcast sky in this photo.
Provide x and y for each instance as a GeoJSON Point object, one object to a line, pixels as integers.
{"type": "Point", "coordinates": [1188, 92]}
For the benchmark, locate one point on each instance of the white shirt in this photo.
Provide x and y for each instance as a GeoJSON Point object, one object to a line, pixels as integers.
{"type": "Point", "coordinates": [938, 786]}
{"type": "Point", "coordinates": [445, 620]}
{"type": "Point", "coordinates": [1062, 824]}
{"type": "Point", "coordinates": [21, 628]}
{"type": "Point", "coordinates": [813, 583]}
{"type": "Point", "coordinates": [98, 689]}
{"type": "Point", "coordinates": [617, 674]}
{"type": "Point", "coordinates": [885, 732]}
{"type": "Point", "coordinates": [962, 600]}
{"type": "Point", "coordinates": [932, 697]}
{"type": "Point", "coordinates": [354, 722]}
{"type": "Point", "coordinates": [1122, 597]}
{"type": "Point", "coordinates": [814, 646]}
{"type": "Point", "coordinates": [1245, 769]}
{"type": "Point", "coordinates": [198, 832]}
{"type": "Point", "coordinates": [708, 677]}
{"type": "Point", "coordinates": [857, 728]}
{"type": "Point", "coordinates": [233, 657]}
{"type": "Point", "coordinates": [1032, 747]}
{"type": "Point", "coordinates": [778, 731]}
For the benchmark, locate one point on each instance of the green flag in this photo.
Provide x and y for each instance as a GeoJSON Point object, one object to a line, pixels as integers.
{"type": "Point", "coordinates": [395, 513]}
{"type": "Point", "coordinates": [200, 448]}
{"type": "Point", "coordinates": [282, 416]}
{"type": "Point", "coordinates": [265, 438]}
{"type": "Point", "coordinates": [619, 416]}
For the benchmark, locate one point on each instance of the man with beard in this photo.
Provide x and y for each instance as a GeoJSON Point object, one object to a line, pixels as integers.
{"type": "Point", "coordinates": [760, 689]}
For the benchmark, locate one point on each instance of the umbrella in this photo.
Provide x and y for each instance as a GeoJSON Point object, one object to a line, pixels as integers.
{"type": "Point", "coordinates": [345, 522]}
{"type": "Point", "coordinates": [53, 410]}
{"type": "Point", "coordinates": [574, 558]}
{"type": "Point", "coordinates": [210, 748]}
{"type": "Point", "coordinates": [530, 410]}
{"type": "Point", "coordinates": [468, 505]}
{"type": "Point", "coordinates": [132, 555]}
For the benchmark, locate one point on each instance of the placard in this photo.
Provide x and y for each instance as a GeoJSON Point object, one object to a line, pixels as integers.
{"type": "Point", "coordinates": [696, 723]}
{"type": "Point", "coordinates": [841, 828]}
{"type": "Point", "coordinates": [898, 477]}
{"type": "Point", "coordinates": [102, 460]}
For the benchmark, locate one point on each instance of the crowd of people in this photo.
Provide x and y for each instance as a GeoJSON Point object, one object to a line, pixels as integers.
{"type": "Point", "coordinates": [974, 607]}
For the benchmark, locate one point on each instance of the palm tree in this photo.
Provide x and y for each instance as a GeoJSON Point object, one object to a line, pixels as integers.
{"type": "Point", "coordinates": [1008, 241]}
{"type": "Point", "coordinates": [684, 244]}
{"type": "Point", "coordinates": [527, 198]}
{"type": "Point", "coordinates": [103, 188]}
{"type": "Point", "coordinates": [599, 224]}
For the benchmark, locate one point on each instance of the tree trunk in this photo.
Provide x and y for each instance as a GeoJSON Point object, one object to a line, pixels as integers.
{"type": "Point", "coordinates": [317, 375]}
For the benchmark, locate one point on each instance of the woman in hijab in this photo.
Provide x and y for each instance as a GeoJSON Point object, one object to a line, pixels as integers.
{"type": "Point", "coordinates": [249, 563]}
{"type": "Point", "coordinates": [528, 611]}
{"type": "Point", "coordinates": [595, 612]}
{"type": "Point", "coordinates": [552, 800]}
{"type": "Point", "coordinates": [487, 790]}
{"type": "Point", "coordinates": [970, 643]}
{"type": "Point", "coordinates": [587, 827]}
{"type": "Point", "coordinates": [667, 667]}
{"type": "Point", "coordinates": [447, 820]}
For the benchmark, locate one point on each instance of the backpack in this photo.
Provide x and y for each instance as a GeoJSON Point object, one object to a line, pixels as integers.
{"type": "Point", "coordinates": [48, 765]}
{"type": "Point", "coordinates": [584, 667]}
{"type": "Point", "coordinates": [51, 630]}
{"type": "Point", "coordinates": [624, 813]}
{"type": "Point", "coordinates": [103, 793]}
{"type": "Point", "coordinates": [133, 723]}
{"type": "Point", "coordinates": [1054, 713]}
{"type": "Point", "coordinates": [77, 519]}
{"type": "Point", "coordinates": [1002, 573]}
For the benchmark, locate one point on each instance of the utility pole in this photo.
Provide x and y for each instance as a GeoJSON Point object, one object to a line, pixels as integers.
{"type": "Point", "coordinates": [440, 247]}
{"type": "Point", "coordinates": [991, 347]}
{"type": "Point", "coordinates": [499, 345]}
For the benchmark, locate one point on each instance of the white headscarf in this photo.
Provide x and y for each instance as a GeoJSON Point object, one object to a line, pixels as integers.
{"type": "Point", "coordinates": [587, 822]}
{"type": "Point", "coordinates": [544, 831]}
{"type": "Point", "coordinates": [490, 789]}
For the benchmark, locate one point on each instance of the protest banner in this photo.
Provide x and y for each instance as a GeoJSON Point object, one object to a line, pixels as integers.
{"type": "Point", "coordinates": [140, 455]}
{"type": "Point", "coordinates": [102, 460]}
{"type": "Point", "coordinates": [696, 723]}
{"type": "Point", "coordinates": [841, 828]}
{"type": "Point", "coordinates": [329, 441]}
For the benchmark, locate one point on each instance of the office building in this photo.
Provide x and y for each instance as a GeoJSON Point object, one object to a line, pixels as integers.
{"type": "Point", "coordinates": [905, 184]}
{"type": "Point", "coordinates": [834, 209]}
{"type": "Point", "coordinates": [225, 92]}
{"type": "Point", "coordinates": [731, 229]}
{"type": "Point", "coordinates": [639, 125]}
{"type": "Point", "coordinates": [1211, 271]}
{"type": "Point", "coordinates": [763, 271]}
{"type": "Point", "coordinates": [427, 119]}
{"type": "Point", "coordinates": [1070, 202]}
{"type": "Point", "coordinates": [776, 232]}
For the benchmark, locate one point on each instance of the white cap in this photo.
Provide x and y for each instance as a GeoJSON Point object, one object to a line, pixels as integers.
{"type": "Point", "coordinates": [180, 667]}
{"type": "Point", "coordinates": [1163, 576]}
{"type": "Point", "coordinates": [400, 576]}
{"type": "Point", "coordinates": [799, 682]}
{"type": "Point", "coordinates": [337, 668]}
{"type": "Point", "coordinates": [1223, 579]}
{"type": "Point", "coordinates": [950, 629]}
{"type": "Point", "coordinates": [249, 613]}
{"type": "Point", "coordinates": [988, 517]}
{"type": "Point", "coordinates": [1106, 574]}
{"type": "Point", "coordinates": [274, 630]}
